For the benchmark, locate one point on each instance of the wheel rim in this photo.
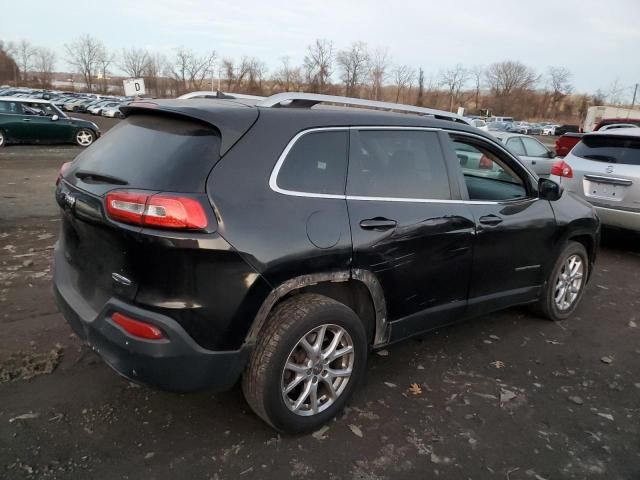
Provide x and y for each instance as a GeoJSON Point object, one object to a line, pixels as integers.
{"type": "Point", "coordinates": [569, 282]}
{"type": "Point", "coordinates": [1, 139]}
{"type": "Point", "coordinates": [84, 138]}
{"type": "Point", "coordinates": [317, 370]}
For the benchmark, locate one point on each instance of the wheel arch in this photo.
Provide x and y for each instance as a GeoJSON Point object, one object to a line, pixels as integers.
{"type": "Point", "coordinates": [359, 289]}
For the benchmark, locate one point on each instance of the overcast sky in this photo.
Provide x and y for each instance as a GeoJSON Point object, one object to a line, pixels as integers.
{"type": "Point", "coordinates": [599, 41]}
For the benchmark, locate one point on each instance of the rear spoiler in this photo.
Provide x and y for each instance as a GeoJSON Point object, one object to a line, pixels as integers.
{"type": "Point", "coordinates": [232, 120]}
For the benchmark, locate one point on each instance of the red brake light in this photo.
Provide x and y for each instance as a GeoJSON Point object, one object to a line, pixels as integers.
{"type": "Point", "coordinates": [161, 210]}
{"type": "Point", "coordinates": [63, 169]}
{"type": "Point", "coordinates": [562, 169]}
{"type": "Point", "coordinates": [174, 212]}
{"type": "Point", "coordinates": [137, 328]}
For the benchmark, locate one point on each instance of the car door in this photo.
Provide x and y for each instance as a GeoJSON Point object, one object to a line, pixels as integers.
{"type": "Point", "coordinates": [514, 228]}
{"type": "Point", "coordinates": [538, 156]}
{"type": "Point", "coordinates": [408, 225]}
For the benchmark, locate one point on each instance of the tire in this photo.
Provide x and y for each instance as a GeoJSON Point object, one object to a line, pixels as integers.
{"type": "Point", "coordinates": [3, 140]}
{"type": "Point", "coordinates": [84, 137]}
{"type": "Point", "coordinates": [263, 383]}
{"type": "Point", "coordinates": [548, 306]}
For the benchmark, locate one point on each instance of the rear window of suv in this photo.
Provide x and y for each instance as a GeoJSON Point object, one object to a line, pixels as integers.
{"type": "Point", "coordinates": [609, 148]}
{"type": "Point", "coordinates": [154, 152]}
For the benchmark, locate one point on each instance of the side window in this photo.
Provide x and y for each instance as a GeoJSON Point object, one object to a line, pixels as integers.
{"type": "Point", "coordinates": [515, 144]}
{"type": "Point", "coordinates": [486, 176]}
{"type": "Point", "coordinates": [397, 164]}
{"type": "Point", "coordinates": [317, 163]}
{"type": "Point", "coordinates": [534, 148]}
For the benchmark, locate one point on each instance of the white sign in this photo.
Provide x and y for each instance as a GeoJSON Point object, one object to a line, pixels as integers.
{"type": "Point", "coordinates": [134, 87]}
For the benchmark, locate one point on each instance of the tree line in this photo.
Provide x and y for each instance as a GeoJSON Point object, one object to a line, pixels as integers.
{"type": "Point", "coordinates": [504, 87]}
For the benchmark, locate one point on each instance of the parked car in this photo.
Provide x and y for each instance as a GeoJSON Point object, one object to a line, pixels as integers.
{"type": "Point", "coordinates": [566, 142]}
{"type": "Point", "coordinates": [24, 120]}
{"type": "Point", "coordinates": [613, 126]}
{"type": "Point", "coordinates": [616, 121]}
{"type": "Point", "coordinates": [604, 169]}
{"type": "Point", "coordinates": [500, 119]}
{"type": "Point", "coordinates": [256, 240]}
{"type": "Point", "coordinates": [532, 152]}
{"type": "Point", "coordinates": [497, 127]}
{"type": "Point", "coordinates": [549, 129]}
{"type": "Point", "coordinates": [562, 129]}
{"type": "Point", "coordinates": [480, 124]}
{"type": "Point", "coordinates": [518, 127]}
{"type": "Point", "coordinates": [98, 108]}
{"type": "Point", "coordinates": [535, 129]}
{"type": "Point", "coordinates": [113, 111]}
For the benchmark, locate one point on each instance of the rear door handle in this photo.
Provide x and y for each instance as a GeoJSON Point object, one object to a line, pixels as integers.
{"type": "Point", "coordinates": [26, 119]}
{"type": "Point", "coordinates": [379, 224]}
{"type": "Point", "coordinates": [490, 220]}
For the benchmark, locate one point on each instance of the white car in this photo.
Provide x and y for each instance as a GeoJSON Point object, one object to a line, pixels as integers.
{"type": "Point", "coordinates": [549, 129]}
{"type": "Point", "coordinates": [604, 169]}
{"type": "Point", "coordinates": [112, 111]}
{"type": "Point", "coordinates": [479, 124]}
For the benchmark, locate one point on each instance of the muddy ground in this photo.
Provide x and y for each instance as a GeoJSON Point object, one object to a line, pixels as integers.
{"type": "Point", "coordinates": [506, 396]}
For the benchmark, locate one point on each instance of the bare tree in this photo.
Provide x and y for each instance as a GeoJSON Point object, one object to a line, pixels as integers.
{"type": "Point", "coordinates": [403, 76]}
{"type": "Point", "coordinates": [287, 78]}
{"type": "Point", "coordinates": [256, 73]}
{"type": "Point", "coordinates": [133, 62]}
{"type": "Point", "coordinates": [454, 79]}
{"type": "Point", "coordinates": [318, 64]}
{"type": "Point", "coordinates": [24, 53]}
{"type": "Point", "coordinates": [354, 65]}
{"type": "Point", "coordinates": [8, 65]}
{"type": "Point", "coordinates": [105, 59]}
{"type": "Point", "coordinates": [84, 53]}
{"type": "Point", "coordinates": [189, 69]}
{"type": "Point", "coordinates": [44, 63]}
{"type": "Point", "coordinates": [379, 70]}
{"type": "Point", "coordinates": [559, 82]}
{"type": "Point", "coordinates": [616, 92]}
{"type": "Point", "coordinates": [236, 74]}
{"type": "Point", "coordinates": [477, 72]}
{"type": "Point", "coordinates": [152, 74]}
{"type": "Point", "coordinates": [507, 79]}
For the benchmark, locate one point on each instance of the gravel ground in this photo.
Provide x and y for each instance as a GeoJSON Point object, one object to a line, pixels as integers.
{"type": "Point", "coordinates": [506, 396]}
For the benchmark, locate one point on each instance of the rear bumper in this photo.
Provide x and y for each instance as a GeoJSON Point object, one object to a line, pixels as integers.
{"type": "Point", "coordinates": [612, 217]}
{"type": "Point", "coordinates": [176, 363]}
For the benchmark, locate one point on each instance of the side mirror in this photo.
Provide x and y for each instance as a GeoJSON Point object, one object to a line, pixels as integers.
{"type": "Point", "coordinates": [549, 190]}
{"type": "Point", "coordinates": [54, 118]}
{"type": "Point", "coordinates": [552, 154]}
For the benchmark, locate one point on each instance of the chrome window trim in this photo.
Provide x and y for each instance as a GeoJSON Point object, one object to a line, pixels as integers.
{"type": "Point", "coordinates": [273, 179]}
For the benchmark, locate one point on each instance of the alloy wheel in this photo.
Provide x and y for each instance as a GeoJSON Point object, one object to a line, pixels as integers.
{"type": "Point", "coordinates": [317, 370]}
{"type": "Point", "coordinates": [84, 138]}
{"type": "Point", "coordinates": [569, 282]}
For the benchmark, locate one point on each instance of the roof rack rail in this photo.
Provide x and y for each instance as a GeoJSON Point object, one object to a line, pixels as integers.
{"type": "Point", "coordinates": [220, 95]}
{"type": "Point", "coordinates": [308, 100]}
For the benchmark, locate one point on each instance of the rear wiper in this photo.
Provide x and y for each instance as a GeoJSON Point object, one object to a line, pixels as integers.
{"type": "Point", "coordinates": [604, 158]}
{"type": "Point", "coordinates": [91, 177]}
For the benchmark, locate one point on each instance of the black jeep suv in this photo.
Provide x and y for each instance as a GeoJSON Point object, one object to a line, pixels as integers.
{"type": "Point", "coordinates": [208, 240]}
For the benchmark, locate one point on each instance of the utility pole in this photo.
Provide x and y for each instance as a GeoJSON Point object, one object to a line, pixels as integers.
{"type": "Point", "coordinates": [635, 92]}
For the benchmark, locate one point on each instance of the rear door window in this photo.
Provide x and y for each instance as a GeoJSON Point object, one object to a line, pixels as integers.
{"type": "Point", "coordinates": [397, 164]}
{"type": "Point", "coordinates": [609, 148]}
{"type": "Point", "coordinates": [534, 148]}
{"type": "Point", "coordinates": [515, 144]}
{"type": "Point", "coordinates": [317, 163]}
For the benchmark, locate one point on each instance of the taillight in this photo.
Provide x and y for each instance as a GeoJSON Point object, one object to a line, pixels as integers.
{"type": "Point", "coordinates": [159, 210]}
{"type": "Point", "coordinates": [63, 169]}
{"type": "Point", "coordinates": [562, 169]}
{"type": "Point", "coordinates": [137, 328]}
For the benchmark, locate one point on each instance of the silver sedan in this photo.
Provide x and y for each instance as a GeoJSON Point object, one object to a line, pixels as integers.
{"type": "Point", "coordinates": [534, 154]}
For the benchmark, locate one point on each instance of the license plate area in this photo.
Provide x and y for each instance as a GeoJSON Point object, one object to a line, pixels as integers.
{"type": "Point", "coordinates": [612, 191]}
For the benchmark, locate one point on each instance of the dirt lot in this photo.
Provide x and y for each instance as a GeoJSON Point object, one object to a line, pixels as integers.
{"type": "Point", "coordinates": [507, 396]}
